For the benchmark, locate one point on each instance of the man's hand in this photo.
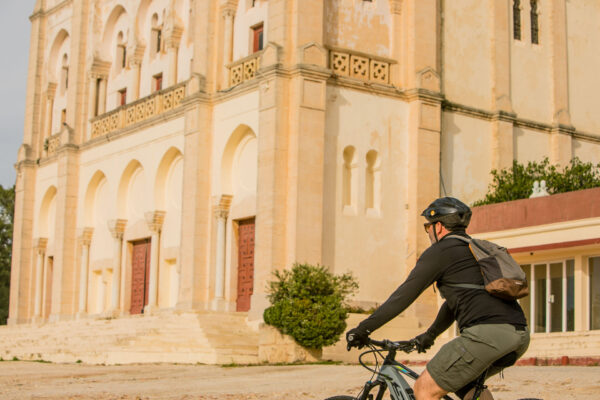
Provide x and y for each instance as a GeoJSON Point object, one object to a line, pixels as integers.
{"type": "Point", "coordinates": [357, 337]}
{"type": "Point", "coordinates": [424, 341]}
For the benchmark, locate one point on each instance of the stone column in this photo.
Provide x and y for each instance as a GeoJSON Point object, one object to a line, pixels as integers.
{"type": "Point", "coordinates": [39, 246]}
{"type": "Point", "coordinates": [172, 36]}
{"type": "Point", "coordinates": [86, 240]}
{"type": "Point", "coordinates": [227, 14]}
{"type": "Point", "coordinates": [116, 228]}
{"type": "Point", "coordinates": [221, 214]}
{"type": "Point", "coordinates": [50, 93]}
{"type": "Point", "coordinates": [155, 220]}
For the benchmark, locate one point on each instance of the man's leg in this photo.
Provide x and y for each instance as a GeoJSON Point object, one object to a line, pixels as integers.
{"type": "Point", "coordinates": [426, 389]}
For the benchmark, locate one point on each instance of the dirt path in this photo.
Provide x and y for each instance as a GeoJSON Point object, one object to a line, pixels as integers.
{"type": "Point", "coordinates": [31, 380]}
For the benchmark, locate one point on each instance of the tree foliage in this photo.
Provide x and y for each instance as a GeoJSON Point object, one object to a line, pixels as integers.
{"type": "Point", "coordinates": [309, 303]}
{"type": "Point", "coordinates": [516, 182]}
{"type": "Point", "coordinates": [7, 211]}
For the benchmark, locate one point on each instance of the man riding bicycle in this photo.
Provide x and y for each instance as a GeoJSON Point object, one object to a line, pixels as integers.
{"type": "Point", "coordinates": [490, 327]}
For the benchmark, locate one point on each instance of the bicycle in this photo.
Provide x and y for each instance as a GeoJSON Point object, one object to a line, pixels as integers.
{"type": "Point", "coordinates": [389, 373]}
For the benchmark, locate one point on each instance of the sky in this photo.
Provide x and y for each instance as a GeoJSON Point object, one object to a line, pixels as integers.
{"type": "Point", "coordinates": [15, 31]}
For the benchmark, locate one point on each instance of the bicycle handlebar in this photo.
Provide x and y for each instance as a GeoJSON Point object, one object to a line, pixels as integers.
{"type": "Point", "coordinates": [403, 345]}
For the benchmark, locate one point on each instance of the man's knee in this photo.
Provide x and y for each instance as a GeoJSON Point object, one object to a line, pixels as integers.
{"type": "Point", "coordinates": [426, 388]}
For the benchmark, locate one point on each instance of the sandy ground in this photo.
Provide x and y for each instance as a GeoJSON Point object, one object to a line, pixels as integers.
{"type": "Point", "coordinates": [32, 380]}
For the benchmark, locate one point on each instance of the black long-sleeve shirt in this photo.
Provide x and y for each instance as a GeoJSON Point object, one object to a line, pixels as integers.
{"type": "Point", "coordinates": [448, 261]}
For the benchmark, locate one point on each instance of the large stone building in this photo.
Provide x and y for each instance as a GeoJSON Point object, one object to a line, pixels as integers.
{"type": "Point", "coordinates": [176, 152]}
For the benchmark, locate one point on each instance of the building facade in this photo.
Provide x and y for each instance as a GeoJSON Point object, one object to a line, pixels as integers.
{"type": "Point", "coordinates": [177, 152]}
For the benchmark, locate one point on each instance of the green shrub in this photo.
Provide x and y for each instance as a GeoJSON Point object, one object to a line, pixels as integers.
{"type": "Point", "coordinates": [516, 182]}
{"type": "Point", "coordinates": [309, 303]}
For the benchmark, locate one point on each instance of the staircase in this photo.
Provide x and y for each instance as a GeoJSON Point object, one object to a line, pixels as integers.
{"type": "Point", "coordinates": [186, 337]}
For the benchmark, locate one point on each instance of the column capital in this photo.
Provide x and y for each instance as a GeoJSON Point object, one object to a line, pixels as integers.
{"type": "Point", "coordinates": [221, 210]}
{"type": "Point", "coordinates": [39, 244]}
{"type": "Point", "coordinates": [117, 227]}
{"type": "Point", "coordinates": [85, 235]}
{"type": "Point", "coordinates": [99, 68]}
{"type": "Point", "coordinates": [396, 6]}
{"type": "Point", "coordinates": [51, 90]}
{"type": "Point", "coordinates": [155, 220]}
{"type": "Point", "coordinates": [135, 52]}
{"type": "Point", "coordinates": [228, 7]}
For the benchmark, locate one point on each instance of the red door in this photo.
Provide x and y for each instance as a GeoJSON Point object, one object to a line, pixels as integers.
{"type": "Point", "coordinates": [140, 274]}
{"type": "Point", "coordinates": [245, 264]}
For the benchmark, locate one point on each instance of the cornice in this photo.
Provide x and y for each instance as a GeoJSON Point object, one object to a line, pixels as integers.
{"type": "Point", "coordinates": [50, 11]}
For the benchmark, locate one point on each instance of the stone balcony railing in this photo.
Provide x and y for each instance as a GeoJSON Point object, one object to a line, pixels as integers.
{"type": "Point", "coordinates": [244, 69]}
{"type": "Point", "coordinates": [52, 143]}
{"type": "Point", "coordinates": [140, 110]}
{"type": "Point", "coordinates": [344, 62]}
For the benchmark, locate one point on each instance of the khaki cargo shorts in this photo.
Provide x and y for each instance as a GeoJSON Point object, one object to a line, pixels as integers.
{"type": "Point", "coordinates": [465, 358]}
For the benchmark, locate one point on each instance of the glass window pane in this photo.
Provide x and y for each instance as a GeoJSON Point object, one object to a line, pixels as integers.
{"type": "Point", "coordinates": [556, 297]}
{"type": "Point", "coordinates": [595, 293]}
{"type": "Point", "coordinates": [526, 301]}
{"type": "Point", "coordinates": [570, 295]}
{"type": "Point", "coordinates": [540, 298]}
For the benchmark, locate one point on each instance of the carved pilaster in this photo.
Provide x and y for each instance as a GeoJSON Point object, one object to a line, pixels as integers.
{"type": "Point", "coordinates": [173, 29]}
{"type": "Point", "coordinates": [221, 210]}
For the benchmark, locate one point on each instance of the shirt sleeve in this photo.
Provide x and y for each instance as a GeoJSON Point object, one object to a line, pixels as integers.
{"type": "Point", "coordinates": [426, 271]}
{"type": "Point", "coordinates": [444, 319]}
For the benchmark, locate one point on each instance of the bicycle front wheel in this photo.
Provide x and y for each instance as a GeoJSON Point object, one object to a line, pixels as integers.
{"type": "Point", "coordinates": [341, 398]}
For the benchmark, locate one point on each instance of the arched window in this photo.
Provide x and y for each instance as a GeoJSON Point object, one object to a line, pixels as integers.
{"type": "Point", "coordinates": [349, 179]}
{"type": "Point", "coordinates": [517, 19]}
{"type": "Point", "coordinates": [156, 39]}
{"type": "Point", "coordinates": [373, 182]}
{"type": "Point", "coordinates": [535, 29]}
{"type": "Point", "coordinates": [64, 76]}
{"type": "Point", "coordinates": [121, 56]}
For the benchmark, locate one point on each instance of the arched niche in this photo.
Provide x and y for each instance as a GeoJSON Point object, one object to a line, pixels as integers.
{"type": "Point", "coordinates": [116, 19]}
{"type": "Point", "coordinates": [98, 180]}
{"type": "Point", "coordinates": [349, 177]}
{"type": "Point", "coordinates": [60, 47]}
{"type": "Point", "coordinates": [132, 193]}
{"type": "Point", "coordinates": [239, 163]}
{"type": "Point", "coordinates": [169, 178]}
{"type": "Point", "coordinates": [47, 215]}
{"type": "Point", "coordinates": [373, 180]}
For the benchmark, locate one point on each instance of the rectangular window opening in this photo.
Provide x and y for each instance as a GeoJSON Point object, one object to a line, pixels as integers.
{"type": "Point", "coordinates": [257, 34]}
{"type": "Point", "coordinates": [122, 97]}
{"type": "Point", "coordinates": [157, 82]}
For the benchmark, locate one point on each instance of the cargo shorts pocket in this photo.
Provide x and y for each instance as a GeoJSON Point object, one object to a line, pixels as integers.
{"type": "Point", "coordinates": [459, 370]}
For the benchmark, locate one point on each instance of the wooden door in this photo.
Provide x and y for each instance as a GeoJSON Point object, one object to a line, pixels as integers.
{"type": "Point", "coordinates": [140, 274]}
{"type": "Point", "coordinates": [245, 264]}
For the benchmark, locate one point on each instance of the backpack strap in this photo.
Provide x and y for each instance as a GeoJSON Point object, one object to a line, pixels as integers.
{"type": "Point", "coordinates": [464, 239]}
{"type": "Point", "coordinates": [463, 285]}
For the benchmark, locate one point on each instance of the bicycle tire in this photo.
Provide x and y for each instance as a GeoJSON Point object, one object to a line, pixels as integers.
{"type": "Point", "coordinates": [341, 398]}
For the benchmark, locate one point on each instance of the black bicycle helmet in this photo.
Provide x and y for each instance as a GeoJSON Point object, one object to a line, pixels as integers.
{"type": "Point", "coordinates": [451, 212]}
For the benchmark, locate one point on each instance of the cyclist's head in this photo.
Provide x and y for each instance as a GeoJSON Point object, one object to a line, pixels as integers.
{"type": "Point", "coordinates": [452, 213]}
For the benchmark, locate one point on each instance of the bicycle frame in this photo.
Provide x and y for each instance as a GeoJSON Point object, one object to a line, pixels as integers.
{"type": "Point", "coordinates": [390, 377]}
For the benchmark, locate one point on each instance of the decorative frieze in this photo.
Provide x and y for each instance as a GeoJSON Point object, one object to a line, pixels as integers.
{"type": "Point", "coordinates": [140, 110]}
{"type": "Point", "coordinates": [353, 64]}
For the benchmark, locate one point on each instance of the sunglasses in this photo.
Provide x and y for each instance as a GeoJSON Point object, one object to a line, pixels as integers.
{"type": "Point", "coordinates": [426, 225]}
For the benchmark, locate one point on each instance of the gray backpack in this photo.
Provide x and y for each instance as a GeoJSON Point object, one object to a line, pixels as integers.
{"type": "Point", "coordinates": [502, 276]}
